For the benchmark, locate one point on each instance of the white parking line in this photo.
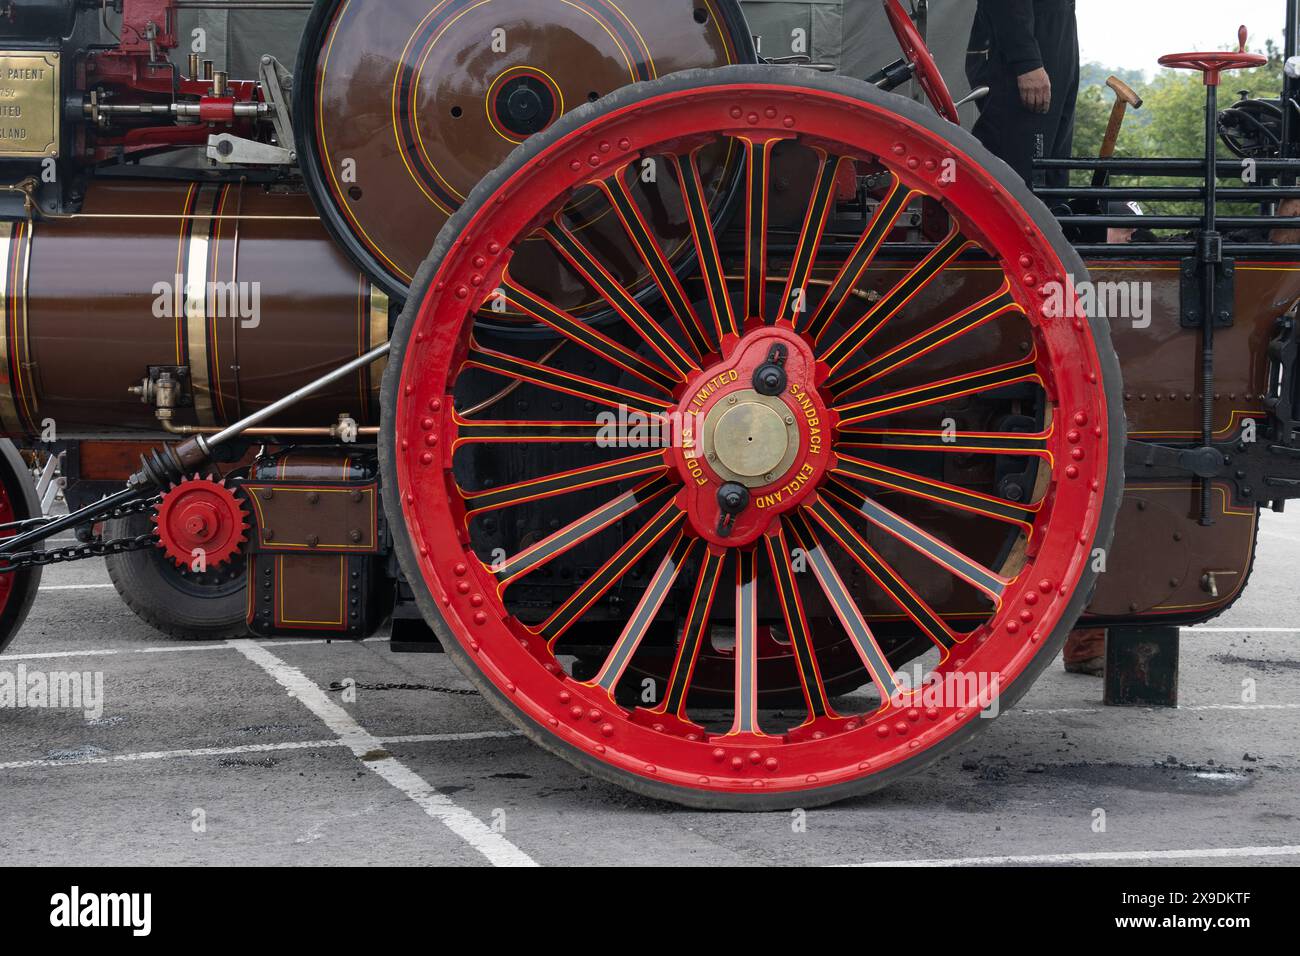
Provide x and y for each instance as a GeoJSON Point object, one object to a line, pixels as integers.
{"type": "Point", "coordinates": [76, 587]}
{"type": "Point", "coordinates": [495, 847]}
{"type": "Point", "coordinates": [170, 649]}
{"type": "Point", "coordinates": [1118, 856]}
{"type": "Point", "coordinates": [252, 749]}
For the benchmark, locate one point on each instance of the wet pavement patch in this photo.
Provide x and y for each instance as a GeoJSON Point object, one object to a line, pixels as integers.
{"type": "Point", "coordinates": [80, 753]}
{"type": "Point", "coordinates": [434, 688]}
{"type": "Point", "coordinates": [241, 763]}
{"type": "Point", "coordinates": [1194, 779]}
{"type": "Point", "coordinates": [1257, 662]}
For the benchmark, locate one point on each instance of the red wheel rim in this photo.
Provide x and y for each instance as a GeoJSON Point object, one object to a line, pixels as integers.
{"type": "Point", "coordinates": [928, 75]}
{"type": "Point", "coordinates": [663, 744]}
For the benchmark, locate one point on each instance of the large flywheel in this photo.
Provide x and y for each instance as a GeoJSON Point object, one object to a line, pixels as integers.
{"type": "Point", "coordinates": [819, 443]}
{"type": "Point", "coordinates": [404, 105]}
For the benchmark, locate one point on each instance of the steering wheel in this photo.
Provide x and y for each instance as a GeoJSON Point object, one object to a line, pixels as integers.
{"type": "Point", "coordinates": [924, 68]}
{"type": "Point", "coordinates": [1212, 64]}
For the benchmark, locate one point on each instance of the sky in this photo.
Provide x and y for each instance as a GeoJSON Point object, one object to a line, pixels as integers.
{"type": "Point", "coordinates": [1136, 33]}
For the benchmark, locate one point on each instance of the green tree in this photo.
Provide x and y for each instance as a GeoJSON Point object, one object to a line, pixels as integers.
{"type": "Point", "coordinates": [1171, 123]}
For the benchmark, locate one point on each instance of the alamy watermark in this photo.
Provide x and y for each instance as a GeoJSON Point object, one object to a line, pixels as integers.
{"type": "Point", "coordinates": [216, 300]}
{"type": "Point", "coordinates": [133, 911]}
{"type": "Point", "coordinates": [1075, 299]}
{"type": "Point", "coordinates": [979, 690]}
{"type": "Point", "coordinates": [53, 690]}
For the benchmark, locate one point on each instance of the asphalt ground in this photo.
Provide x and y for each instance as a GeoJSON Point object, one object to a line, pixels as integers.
{"type": "Point", "coordinates": [241, 753]}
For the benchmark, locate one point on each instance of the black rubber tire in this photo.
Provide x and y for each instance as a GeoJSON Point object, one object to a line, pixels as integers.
{"type": "Point", "coordinates": [161, 596]}
{"type": "Point", "coordinates": [21, 489]}
{"type": "Point", "coordinates": [521, 157]}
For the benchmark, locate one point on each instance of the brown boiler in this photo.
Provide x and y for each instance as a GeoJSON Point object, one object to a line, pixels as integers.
{"type": "Point", "coordinates": [234, 288]}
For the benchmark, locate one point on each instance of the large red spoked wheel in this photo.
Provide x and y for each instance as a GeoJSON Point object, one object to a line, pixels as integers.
{"type": "Point", "coordinates": [901, 447]}
{"type": "Point", "coordinates": [18, 503]}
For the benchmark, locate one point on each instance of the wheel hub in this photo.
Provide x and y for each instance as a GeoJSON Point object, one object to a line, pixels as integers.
{"type": "Point", "coordinates": [774, 445]}
{"type": "Point", "coordinates": [524, 102]}
{"type": "Point", "coordinates": [750, 438]}
{"type": "Point", "coordinates": [201, 515]}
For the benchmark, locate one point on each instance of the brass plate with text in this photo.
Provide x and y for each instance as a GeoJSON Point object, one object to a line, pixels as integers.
{"type": "Point", "coordinates": [29, 104]}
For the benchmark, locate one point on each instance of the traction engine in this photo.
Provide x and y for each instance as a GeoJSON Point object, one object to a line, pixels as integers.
{"type": "Point", "coordinates": [738, 429]}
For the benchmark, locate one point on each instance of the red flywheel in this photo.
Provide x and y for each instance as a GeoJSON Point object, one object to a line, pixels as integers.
{"type": "Point", "coordinates": [201, 519]}
{"type": "Point", "coordinates": [870, 443]}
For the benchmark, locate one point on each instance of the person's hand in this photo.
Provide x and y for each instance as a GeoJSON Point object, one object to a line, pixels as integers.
{"type": "Point", "coordinates": [1036, 90]}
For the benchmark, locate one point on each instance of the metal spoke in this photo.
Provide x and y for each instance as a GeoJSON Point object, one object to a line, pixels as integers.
{"type": "Point", "coordinates": [609, 573]}
{"type": "Point", "coordinates": [758, 166]}
{"type": "Point", "coordinates": [656, 262]}
{"type": "Point", "coordinates": [887, 213]}
{"type": "Point", "coordinates": [585, 263]}
{"type": "Point", "coordinates": [794, 303]}
{"type": "Point", "coordinates": [985, 380]}
{"type": "Point", "coordinates": [850, 343]}
{"type": "Point", "coordinates": [796, 626]}
{"type": "Point", "coordinates": [745, 720]}
{"type": "Point", "coordinates": [573, 534]}
{"type": "Point", "coordinates": [944, 555]}
{"type": "Point", "coordinates": [998, 509]}
{"type": "Point", "coordinates": [694, 634]}
{"type": "Point", "coordinates": [846, 609]}
{"type": "Point", "coordinates": [580, 332]}
{"type": "Point", "coordinates": [706, 245]}
{"type": "Point", "coordinates": [979, 314]}
{"type": "Point", "coordinates": [870, 560]}
{"type": "Point", "coordinates": [576, 385]}
{"type": "Point", "coordinates": [564, 482]}
{"type": "Point", "coordinates": [661, 583]}
{"type": "Point", "coordinates": [953, 443]}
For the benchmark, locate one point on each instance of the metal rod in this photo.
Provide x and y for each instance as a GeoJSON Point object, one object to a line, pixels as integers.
{"type": "Point", "coordinates": [1211, 258]}
{"type": "Point", "coordinates": [89, 513]}
{"type": "Point", "coordinates": [1290, 85]}
{"type": "Point", "coordinates": [1163, 251]}
{"type": "Point", "coordinates": [1170, 167]}
{"type": "Point", "coordinates": [244, 4]}
{"type": "Point", "coordinates": [1182, 222]}
{"type": "Point", "coordinates": [293, 398]}
{"type": "Point", "coordinates": [320, 431]}
{"type": "Point", "coordinates": [1167, 193]}
{"type": "Point", "coordinates": [1172, 251]}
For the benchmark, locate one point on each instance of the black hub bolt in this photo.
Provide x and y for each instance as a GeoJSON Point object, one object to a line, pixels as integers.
{"type": "Point", "coordinates": [769, 378]}
{"type": "Point", "coordinates": [524, 105]}
{"type": "Point", "coordinates": [733, 498]}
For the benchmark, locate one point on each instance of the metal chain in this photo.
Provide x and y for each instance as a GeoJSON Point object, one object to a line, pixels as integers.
{"type": "Point", "coordinates": [98, 548]}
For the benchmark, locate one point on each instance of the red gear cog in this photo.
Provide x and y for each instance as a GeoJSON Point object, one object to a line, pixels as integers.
{"type": "Point", "coordinates": [201, 513]}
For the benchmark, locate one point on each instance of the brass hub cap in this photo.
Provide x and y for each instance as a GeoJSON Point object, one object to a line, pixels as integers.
{"type": "Point", "coordinates": [751, 438]}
